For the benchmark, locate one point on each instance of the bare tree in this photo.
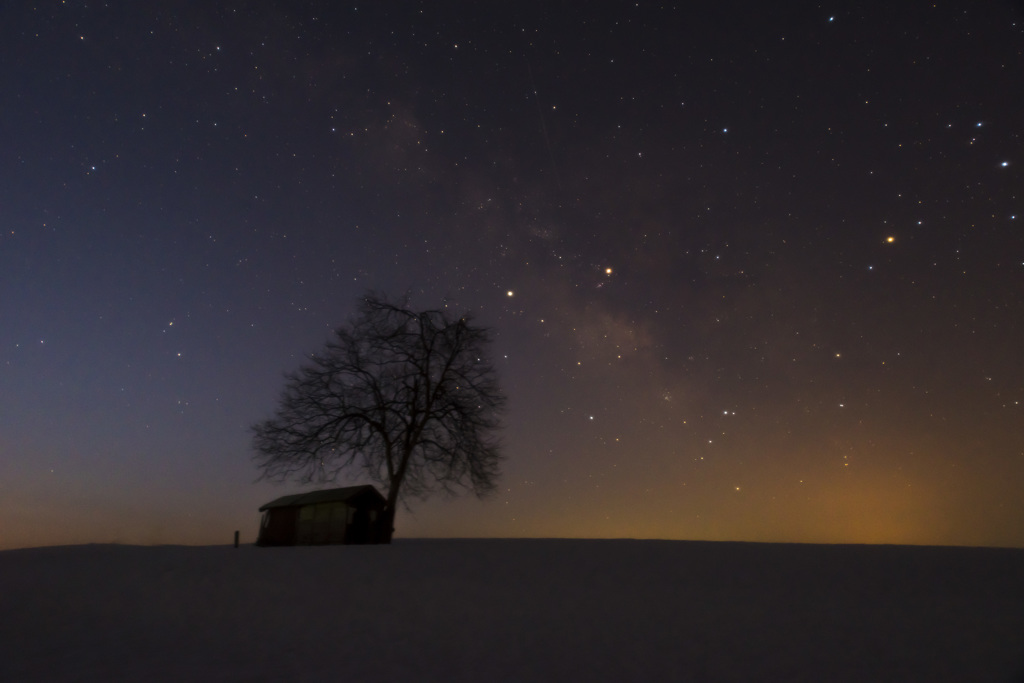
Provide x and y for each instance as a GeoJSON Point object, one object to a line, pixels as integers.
{"type": "Point", "coordinates": [410, 398]}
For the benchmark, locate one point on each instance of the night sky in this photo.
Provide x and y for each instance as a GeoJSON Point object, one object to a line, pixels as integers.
{"type": "Point", "coordinates": [755, 271]}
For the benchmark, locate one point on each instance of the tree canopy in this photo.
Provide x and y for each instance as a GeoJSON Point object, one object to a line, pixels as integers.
{"type": "Point", "coordinates": [410, 398]}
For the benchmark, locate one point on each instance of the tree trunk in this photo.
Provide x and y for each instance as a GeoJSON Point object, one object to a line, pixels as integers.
{"type": "Point", "coordinates": [386, 524]}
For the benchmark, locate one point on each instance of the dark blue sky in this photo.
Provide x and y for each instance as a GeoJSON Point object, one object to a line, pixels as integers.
{"type": "Point", "coordinates": [754, 272]}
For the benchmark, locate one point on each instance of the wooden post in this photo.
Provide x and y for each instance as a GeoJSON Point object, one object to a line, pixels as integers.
{"type": "Point", "coordinates": [236, 539]}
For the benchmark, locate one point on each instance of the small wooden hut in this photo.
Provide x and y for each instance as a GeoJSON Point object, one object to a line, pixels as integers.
{"type": "Point", "coordinates": [348, 515]}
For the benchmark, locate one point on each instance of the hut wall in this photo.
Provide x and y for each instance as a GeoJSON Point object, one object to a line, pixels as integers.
{"type": "Point", "coordinates": [278, 527]}
{"type": "Point", "coordinates": [322, 523]}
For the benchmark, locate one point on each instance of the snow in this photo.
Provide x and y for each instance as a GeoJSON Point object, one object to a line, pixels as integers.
{"type": "Point", "coordinates": [513, 610]}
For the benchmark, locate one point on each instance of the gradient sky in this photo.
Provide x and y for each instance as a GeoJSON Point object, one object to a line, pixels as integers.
{"type": "Point", "coordinates": [754, 272]}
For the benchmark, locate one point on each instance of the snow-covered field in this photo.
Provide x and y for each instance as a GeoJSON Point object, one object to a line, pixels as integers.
{"type": "Point", "coordinates": [512, 610]}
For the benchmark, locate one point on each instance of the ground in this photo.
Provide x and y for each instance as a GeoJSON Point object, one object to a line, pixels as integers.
{"type": "Point", "coordinates": [513, 610]}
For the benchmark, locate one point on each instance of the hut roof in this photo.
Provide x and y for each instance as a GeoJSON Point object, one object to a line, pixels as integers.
{"type": "Point", "coordinates": [323, 496]}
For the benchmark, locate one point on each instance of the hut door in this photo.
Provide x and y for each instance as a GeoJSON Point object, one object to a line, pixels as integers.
{"type": "Point", "coordinates": [339, 520]}
{"type": "Point", "coordinates": [359, 529]}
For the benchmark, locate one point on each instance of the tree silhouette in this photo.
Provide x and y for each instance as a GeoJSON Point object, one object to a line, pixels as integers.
{"type": "Point", "coordinates": [410, 398]}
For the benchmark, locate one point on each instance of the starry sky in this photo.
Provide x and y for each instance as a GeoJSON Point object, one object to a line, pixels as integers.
{"type": "Point", "coordinates": [755, 271]}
